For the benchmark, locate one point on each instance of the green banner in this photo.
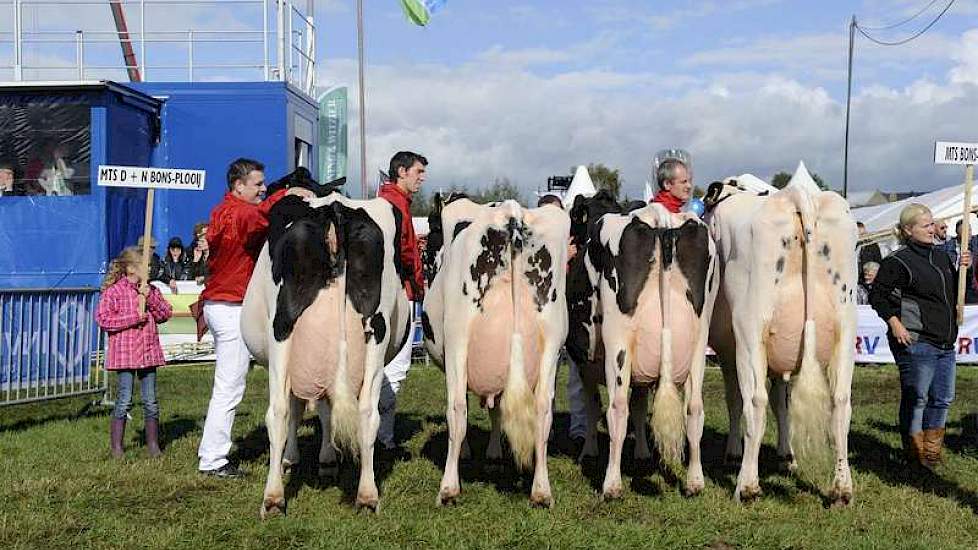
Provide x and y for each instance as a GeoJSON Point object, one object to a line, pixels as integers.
{"type": "Point", "coordinates": [332, 135]}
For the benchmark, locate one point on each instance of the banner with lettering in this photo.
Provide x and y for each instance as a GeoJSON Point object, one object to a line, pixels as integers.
{"type": "Point", "coordinates": [872, 347]}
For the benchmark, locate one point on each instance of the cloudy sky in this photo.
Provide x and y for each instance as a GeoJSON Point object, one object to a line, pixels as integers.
{"type": "Point", "coordinates": [525, 90]}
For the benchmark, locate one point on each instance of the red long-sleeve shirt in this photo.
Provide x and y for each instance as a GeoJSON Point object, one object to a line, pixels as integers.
{"type": "Point", "coordinates": [134, 343]}
{"type": "Point", "coordinates": [235, 236]}
{"type": "Point", "coordinates": [408, 246]}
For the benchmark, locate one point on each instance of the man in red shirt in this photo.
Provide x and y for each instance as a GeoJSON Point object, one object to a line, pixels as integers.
{"type": "Point", "coordinates": [235, 236]}
{"type": "Point", "coordinates": [675, 185]}
{"type": "Point", "coordinates": [407, 173]}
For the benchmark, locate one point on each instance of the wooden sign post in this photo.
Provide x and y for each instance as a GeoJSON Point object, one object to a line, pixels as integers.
{"type": "Point", "coordinates": [946, 152]}
{"type": "Point", "coordinates": [149, 179]}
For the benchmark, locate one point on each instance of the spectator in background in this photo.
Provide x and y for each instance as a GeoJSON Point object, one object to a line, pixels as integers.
{"type": "Point", "coordinates": [198, 254]}
{"type": "Point", "coordinates": [56, 173]}
{"type": "Point", "coordinates": [156, 271]}
{"type": "Point", "coordinates": [175, 261]}
{"type": "Point", "coordinates": [865, 287]}
{"type": "Point", "coordinates": [867, 252]}
{"type": "Point", "coordinates": [675, 185]}
{"type": "Point", "coordinates": [12, 186]}
{"type": "Point", "coordinates": [953, 249]}
{"type": "Point", "coordinates": [940, 232]}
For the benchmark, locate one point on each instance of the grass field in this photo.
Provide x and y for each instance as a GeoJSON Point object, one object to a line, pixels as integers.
{"type": "Point", "coordinates": [59, 490]}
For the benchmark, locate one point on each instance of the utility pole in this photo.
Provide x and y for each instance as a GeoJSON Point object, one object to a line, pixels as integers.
{"type": "Point", "coordinates": [845, 154]}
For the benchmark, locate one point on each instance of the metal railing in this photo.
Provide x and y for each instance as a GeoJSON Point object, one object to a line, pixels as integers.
{"type": "Point", "coordinates": [164, 54]}
{"type": "Point", "coordinates": [49, 345]}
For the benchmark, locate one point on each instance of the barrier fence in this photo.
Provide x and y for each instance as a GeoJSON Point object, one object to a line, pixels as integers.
{"type": "Point", "coordinates": [49, 345]}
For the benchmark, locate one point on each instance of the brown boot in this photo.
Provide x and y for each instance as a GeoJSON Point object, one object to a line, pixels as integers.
{"type": "Point", "coordinates": [933, 445]}
{"type": "Point", "coordinates": [152, 427]}
{"type": "Point", "coordinates": [117, 430]}
{"type": "Point", "coordinates": [919, 451]}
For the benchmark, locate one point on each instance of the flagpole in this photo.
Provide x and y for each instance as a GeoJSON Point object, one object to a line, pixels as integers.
{"type": "Point", "coordinates": [363, 104]}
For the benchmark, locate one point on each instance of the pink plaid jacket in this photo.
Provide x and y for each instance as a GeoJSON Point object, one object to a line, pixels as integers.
{"type": "Point", "coordinates": [133, 344]}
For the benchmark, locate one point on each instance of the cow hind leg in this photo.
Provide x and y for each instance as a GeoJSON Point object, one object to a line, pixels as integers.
{"type": "Point", "coordinates": [368, 497]}
{"type": "Point", "coordinates": [494, 451]}
{"type": "Point", "coordinates": [780, 394]}
{"type": "Point", "coordinates": [753, 388]}
{"type": "Point", "coordinates": [735, 410]}
{"type": "Point", "coordinates": [457, 416]}
{"type": "Point", "coordinates": [842, 366]}
{"type": "Point", "coordinates": [618, 382]}
{"type": "Point", "coordinates": [328, 461]}
{"type": "Point", "coordinates": [277, 422]}
{"type": "Point", "coordinates": [638, 407]}
{"type": "Point", "coordinates": [297, 408]}
{"type": "Point", "coordinates": [541, 495]}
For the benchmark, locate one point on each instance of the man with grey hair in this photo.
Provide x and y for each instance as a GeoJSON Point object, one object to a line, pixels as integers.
{"type": "Point", "coordinates": [675, 185]}
{"type": "Point", "coordinates": [865, 286]}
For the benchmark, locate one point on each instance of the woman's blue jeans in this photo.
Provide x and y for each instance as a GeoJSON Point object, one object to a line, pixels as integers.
{"type": "Point", "coordinates": [147, 390]}
{"type": "Point", "coordinates": [926, 385]}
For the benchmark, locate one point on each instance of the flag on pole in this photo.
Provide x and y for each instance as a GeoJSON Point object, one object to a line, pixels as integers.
{"type": "Point", "coordinates": [419, 11]}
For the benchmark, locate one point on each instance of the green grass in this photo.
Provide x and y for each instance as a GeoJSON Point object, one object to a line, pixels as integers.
{"type": "Point", "coordinates": [59, 490]}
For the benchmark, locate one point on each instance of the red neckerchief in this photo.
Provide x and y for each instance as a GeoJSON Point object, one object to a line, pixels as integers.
{"type": "Point", "coordinates": [668, 200]}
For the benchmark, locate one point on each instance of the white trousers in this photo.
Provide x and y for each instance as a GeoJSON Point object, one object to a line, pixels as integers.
{"type": "Point", "coordinates": [230, 373]}
{"type": "Point", "coordinates": [394, 373]}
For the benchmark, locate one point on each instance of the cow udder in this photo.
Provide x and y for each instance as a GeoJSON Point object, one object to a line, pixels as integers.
{"type": "Point", "coordinates": [785, 333]}
{"type": "Point", "coordinates": [313, 357]}
{"type": "Point", "coordinates": [684, 324]}
{"type": "Point", "coordinates": [490, 338]}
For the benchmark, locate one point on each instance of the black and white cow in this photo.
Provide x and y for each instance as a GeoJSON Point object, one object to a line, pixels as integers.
{"type": "Point", "coordinates": [495, 318]}
{"type": "Point", "coordinates": [325, 310]}
{"type": "Point", "coordinates": [655, 279]}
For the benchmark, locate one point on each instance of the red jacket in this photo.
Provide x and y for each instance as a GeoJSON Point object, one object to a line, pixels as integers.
{"type": "Point", "coordinates": [666, 199]}
{"type": "Point", "coordinates": [410, 258]}
{"type": "Point", "coordinates": [235, 235]}
{"type": "Point", "coordinates": [133, 343]}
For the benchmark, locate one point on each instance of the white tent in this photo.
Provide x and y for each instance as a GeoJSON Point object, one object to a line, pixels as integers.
{"type": "Point", "coordinates": [944, 203]}
{"type": "Point", "coordinates": [580, 185]}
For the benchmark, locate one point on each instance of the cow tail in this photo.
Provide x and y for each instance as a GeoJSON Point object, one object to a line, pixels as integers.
{"type": "Point", "coordinates": [517, 403]}
{"type": "Point", "coordinates": [668, 420]}
{"type": "Point", "coordinates": [344, 409]}
{"type": "Point", "coordinates": [809, 405]}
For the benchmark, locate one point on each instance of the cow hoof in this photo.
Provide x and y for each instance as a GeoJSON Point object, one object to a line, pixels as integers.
{"type": "Point", "coordinates": [370, 505]}
{"type": "Point", "coordinates": [541, 501]}
{"type": "Point", "coordinates": [447, 497]}
{"type": "Point", "coordinates": [613, 493]}
{"type": "Point", "coordinates": [694, 488]}
{"type": "Point", "coordinates": [788, 464]}
{"type": "Point", "coordinates": [747, 495]}
{"type": "Point", "coordinates": [329, 470]}
{"type": "Point", "coordinates": [271, 507]}
{"type": "Point", "coordinates": [840, 498]}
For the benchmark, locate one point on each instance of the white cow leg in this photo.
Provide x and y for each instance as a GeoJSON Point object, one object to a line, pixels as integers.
{"type": "Point", "coordinates": [297, 408]}
{"type": "Point", "coordinates": [328, 462]}
{"type": "Point", "coordinates": [617, 420]}
{"type": "Point", "coordinates": [694, 426]}
{"type": "Point", "coordinates": [277, 423]}
{"type": "Point", "coordinates": [735, 411]}
{"type": "Point", "coordinates": [592, 409]}
{"type": "Point", "coordinates": [638, 414]}
{"type": "Point", "coordinates": [541, 495]}
{"type": "Point", "coordinates": [841, 492]}
{"type": "Point", "coordinates": [780, 394]}
{"type": "Point", "coordinates": [368, 497]}
{"type": "Point", "coordinates": [495, 449]}
{"type": "Point", "coordinates": [457, 416]}
{"type": "Point", "coordinates": [754, 391]}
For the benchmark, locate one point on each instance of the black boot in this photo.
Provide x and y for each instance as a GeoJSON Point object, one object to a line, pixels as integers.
{"type": "Point", "coordinates": [117, 430]}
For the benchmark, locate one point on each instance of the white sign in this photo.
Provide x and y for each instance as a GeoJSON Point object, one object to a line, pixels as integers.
{"type": "Point", "coordinates": [872, 346]}
{"type": "Point", "coordinates": [949, 152]}
{"type": "Point", "coordinates": [151, 178]}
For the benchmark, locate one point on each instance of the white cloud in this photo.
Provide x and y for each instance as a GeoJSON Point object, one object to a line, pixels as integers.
{"type": "Point", "coordinates": [480, 121]}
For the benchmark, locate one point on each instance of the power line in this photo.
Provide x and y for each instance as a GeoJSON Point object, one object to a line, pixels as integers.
{"type": "Point", "coordinates": [905, 40]}
{"type": "Point", "coordinates": [905, 21]}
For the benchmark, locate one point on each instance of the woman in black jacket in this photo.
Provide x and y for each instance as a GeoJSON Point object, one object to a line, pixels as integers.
{"type": "Point", "coordinates": [915, 294]}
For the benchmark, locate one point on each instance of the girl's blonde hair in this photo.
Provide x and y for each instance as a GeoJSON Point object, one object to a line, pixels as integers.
{"type": "Point", "coordinates": [117, 268]}
{"type": "Point", "coordinates": [908, 217]}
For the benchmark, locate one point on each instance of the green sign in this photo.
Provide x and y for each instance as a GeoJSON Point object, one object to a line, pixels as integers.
{"type": "Point", "coordinates": [332, 135]}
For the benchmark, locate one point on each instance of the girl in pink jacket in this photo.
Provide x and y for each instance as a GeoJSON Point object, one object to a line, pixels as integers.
{"type": "Point", "coordinates": [134, 344]}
